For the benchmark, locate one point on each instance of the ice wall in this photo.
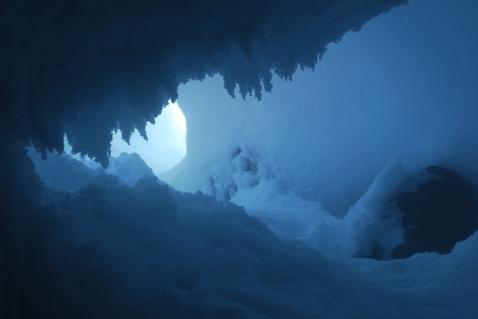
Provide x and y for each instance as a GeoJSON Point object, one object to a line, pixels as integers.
{"type": "Point", "coordinates": [402, 87]}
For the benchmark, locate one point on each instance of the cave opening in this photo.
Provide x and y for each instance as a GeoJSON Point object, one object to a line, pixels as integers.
{"type": "Point", "coordinates": [252, 159]}
{"type": "Point", "coordinates": [165, 146]}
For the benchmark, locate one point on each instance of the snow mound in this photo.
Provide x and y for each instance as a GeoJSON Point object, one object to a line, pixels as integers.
{"type": "Point", "coordinates": [147, 251]}
{"type": "Point", "coordinates": [129, 168]}
{"type": "Point", "coordinates": [67, 172]}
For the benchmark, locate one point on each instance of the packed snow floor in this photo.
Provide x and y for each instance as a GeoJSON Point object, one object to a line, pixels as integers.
{"type": "Point", "coordinates": [110, 250]}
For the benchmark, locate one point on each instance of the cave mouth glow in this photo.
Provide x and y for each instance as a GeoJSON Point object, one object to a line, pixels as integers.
{"type": "Point", "coordinates": [166, 143]}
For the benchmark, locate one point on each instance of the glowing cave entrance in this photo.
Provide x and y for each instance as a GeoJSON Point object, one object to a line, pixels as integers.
{"type": "Point", "coordinates": [166, 143]}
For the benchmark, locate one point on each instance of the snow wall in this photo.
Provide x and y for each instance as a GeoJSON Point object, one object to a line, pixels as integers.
{"type": "Point", "coordinates": [393, 98]}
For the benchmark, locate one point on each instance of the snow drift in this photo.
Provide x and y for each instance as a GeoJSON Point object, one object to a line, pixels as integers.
{"type": "Point", "coordinates": [110, 250]}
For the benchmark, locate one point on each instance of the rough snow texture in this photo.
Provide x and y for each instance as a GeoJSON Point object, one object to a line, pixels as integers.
{"type": "Point", "coordinates": [147, 251]}
{"type": "Point", "coordinates": [109, 250]}
{"type": "Point", "coordinates": [89, 67]}
{"type": "Point", "coordinates": [336, 142]}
